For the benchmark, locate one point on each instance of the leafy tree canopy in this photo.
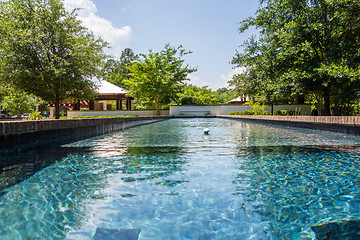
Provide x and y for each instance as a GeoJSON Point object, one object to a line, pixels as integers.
{"type": "Point", "coordinates": [4, 90]}
{"type": "Point", "coordinates": [225, 95]}
{"type": "Point", "coordinates": [197, 95]}
{"type": "Point", "coordinates": [46, 51]}
{"type": "Point", "coordinates": [305, 46]}
{"type": "Point", "coordinates": [117, 71]}
{"type": "Point", "coordinates": [18, 102]}
{"type": "Point", "coordinates": [158, 77]}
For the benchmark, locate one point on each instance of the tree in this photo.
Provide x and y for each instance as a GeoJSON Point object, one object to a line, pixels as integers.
{"type": "Point", "coordinates": [47, 52]}
{"type": "Point", "coordinates": [197, 95]}
{"type": "Point", "coordinates": [305, 47]}
{"type": "Point", "coordinates": [117, 71]}
{"type": "Point", "coordinates": [18, 102]}
{"type": "Point", "coordinates": [262, 76]}
{"type": "Point", "coordinates": [4, 90]}
{"type": "Point", "coordinates": [225, 95]}
{"type": "Point", "coordinates": [158, 77]}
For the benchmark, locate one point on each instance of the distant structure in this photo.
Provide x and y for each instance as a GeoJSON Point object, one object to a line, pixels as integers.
{"type": "Point", "coordinates": [109, 91]}
{"type": "Point", "coordinates": [239, 100]}
{"type": "Point", "coordinates": [106, 91]}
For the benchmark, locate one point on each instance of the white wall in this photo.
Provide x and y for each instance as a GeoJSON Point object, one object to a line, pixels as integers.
{"type": "Point", "coordinates": [225, 109]}
{"type": "Point", "coordinates": [193, 110]}
{"type": "Point", "coordinates": [213, 110]}
{"type": "Point", "coordinates": [305, 109]}
{"type": "Point", "coordinates": [70, 114]}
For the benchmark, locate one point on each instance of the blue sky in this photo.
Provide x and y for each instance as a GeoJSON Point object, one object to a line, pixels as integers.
{"type": "Point", "coordinates": [209, 28]}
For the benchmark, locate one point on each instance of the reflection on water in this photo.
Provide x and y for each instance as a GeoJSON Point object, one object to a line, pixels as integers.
{"type": "Point", "coordinates": [52, 201]}
{"type": "Point", "coordinates": [243, 181]}
{"type": "Point", "coordinates": [150, 162]}
{"type": "Point", "coordinates": [17, 166]}
{"type": "Point", "coordinates": [55, 198]}
{"type": "Point", "coordinates": [296, 187]}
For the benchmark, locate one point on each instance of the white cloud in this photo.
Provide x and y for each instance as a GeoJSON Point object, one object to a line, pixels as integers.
{"type": "Point", "coordinates": [126, 8]}
{"type": "Point", "coordinates": [220, 82]}
{"type": "Point", "coordinates": [233, 72]}
{"type": "Point", "coordinates": [118, 38]}
{"type": "Point", "coordinates": [194, 80]}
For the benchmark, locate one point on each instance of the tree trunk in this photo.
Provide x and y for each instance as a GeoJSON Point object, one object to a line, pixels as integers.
{"type": "Point", "coordinates": [37, 105]}
{"type": "Point", "coordinates": [157, 107]}
{"type": "Point", "coordinates": [57, 109]}
{"type": "Point", "coordinates": [326, 104]}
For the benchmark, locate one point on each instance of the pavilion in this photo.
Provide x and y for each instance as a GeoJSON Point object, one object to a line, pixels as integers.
{"type": "Point", "coordinates": [239, 100]}
{"type": "Point", "coordinates": [105, 91]}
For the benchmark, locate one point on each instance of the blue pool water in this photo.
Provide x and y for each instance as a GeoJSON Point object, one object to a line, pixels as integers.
{"type": "Point", "coordinates": [242, 181]}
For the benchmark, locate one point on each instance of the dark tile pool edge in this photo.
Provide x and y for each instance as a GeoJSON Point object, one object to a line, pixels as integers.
{"type": "Point", "coordinates": [312, 123]}
{"type": "Point", "coordinates": [62, 131]}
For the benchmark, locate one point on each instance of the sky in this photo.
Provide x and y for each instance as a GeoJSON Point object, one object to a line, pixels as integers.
{"type": "Point", "coordinates": [208, 28]}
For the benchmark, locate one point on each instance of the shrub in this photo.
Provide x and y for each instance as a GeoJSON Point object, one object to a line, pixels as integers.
{"type": "Point", "coordinates": [77, 117]}
{"type": "Point", "coordinates": [242, 113]}
{"type": "Point", "coordinates": [263, 113]}
{"type": "Point", "coordinates": [355, 110]}
{"type": "Point", "coordinates": [285, 112]}
{"type": "Point", "coordinates": [34, 116]}
{"type": "Point", "coordinates": [250, 113]}
{"type": "Point", "coordinates": [119, 116]}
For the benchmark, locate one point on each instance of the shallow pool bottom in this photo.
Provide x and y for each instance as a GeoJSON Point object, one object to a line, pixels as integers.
{"type": "Point", "coordinates": [242, 181]}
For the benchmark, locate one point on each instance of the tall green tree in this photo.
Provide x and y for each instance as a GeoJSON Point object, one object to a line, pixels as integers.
{"type": "Point", "coordinates": [225, 95]}
{"type": "Point", "coordinates": [18, 102]}
{"type": "Point", "coordinates": [47, 52]}
{"type": "Point", "coordinates": [262, 78]}
{"type": "Point", "coordinates": [4, 90]}
{"type": "Point", "coordinates": [197, 95]}
{"type": "Point", "coordinates": [305, 46]}
{"type": "Point", "coordinates": [117, 70]}
{"type": "Point", "coordinates": [158, 77]}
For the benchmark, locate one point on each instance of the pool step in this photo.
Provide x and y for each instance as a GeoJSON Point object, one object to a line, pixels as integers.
{"type": "Point", "coordinates": [118, 234]}
{"type": "Point", "coordinates": [339, 230]}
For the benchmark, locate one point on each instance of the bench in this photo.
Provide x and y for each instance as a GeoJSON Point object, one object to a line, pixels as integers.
{"type": "Point", "coordinates": [195, 113]}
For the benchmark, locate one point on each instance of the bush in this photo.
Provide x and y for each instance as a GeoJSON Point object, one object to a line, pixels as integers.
{"type": "Point", "coordinates": [285, 112]}
{"type": "Point", "coordinates": [242, 113]}
{"type": "Point", "coordinates": [77, 117]}
{"type": "Point", "coordinates": [119, 116]}
{"type": "Point", "coordinates": [250, 113]}
{"type": "Point", "coordinates": [355, 110]}
{"type": "Point", "coordinates": [264, 113]}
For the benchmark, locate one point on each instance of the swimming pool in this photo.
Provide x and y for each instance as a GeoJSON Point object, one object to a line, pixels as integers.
{"type": "Point", "coordinates": [242, 181]}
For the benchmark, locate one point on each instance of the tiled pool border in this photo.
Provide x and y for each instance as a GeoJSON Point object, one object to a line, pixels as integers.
{"type": "Point", "coordinates": [26, 132]}
{"type": "Point", "coordinates": [342, 124]}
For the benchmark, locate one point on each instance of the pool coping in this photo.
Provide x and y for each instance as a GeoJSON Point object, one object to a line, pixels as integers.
{"type": "Point", "coordinates": [341, 124]}
{"type": "Point", "coordinates": [16, 133]}
{"type": "Point", "coordinates": [24, 132]}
